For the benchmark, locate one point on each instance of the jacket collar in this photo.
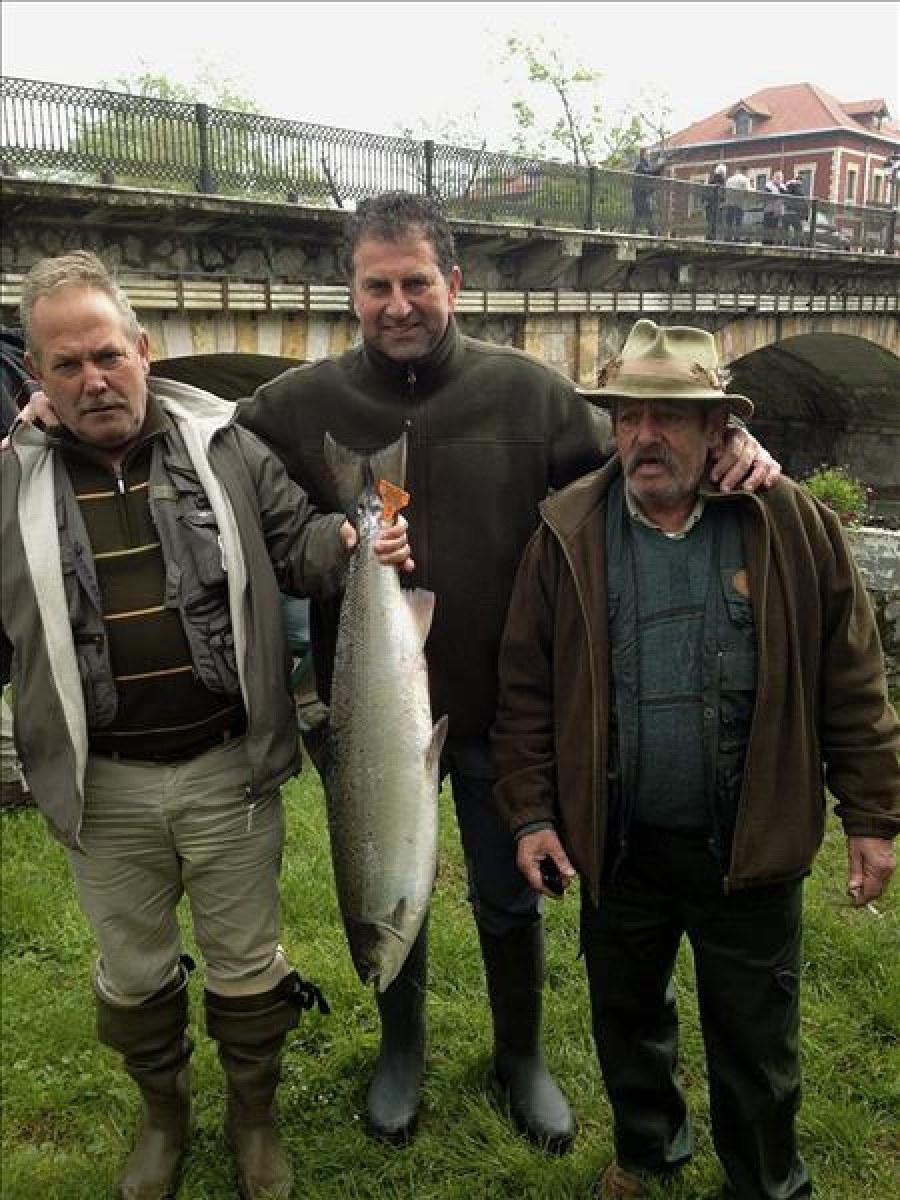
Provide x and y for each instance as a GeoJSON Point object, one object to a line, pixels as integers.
{"type": "Point", "coordinates": [428, 371]}
{"type": "Point", "coordinates": [567, 510]}
{"type": "Point", "coordinates": [155, 423]}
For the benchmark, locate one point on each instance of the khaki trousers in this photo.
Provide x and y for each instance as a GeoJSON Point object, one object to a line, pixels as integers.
{"type": "Point", "coordinates": [154, 832]}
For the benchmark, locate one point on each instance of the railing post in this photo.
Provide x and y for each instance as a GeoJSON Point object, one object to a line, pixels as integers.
{"type": "Point", "coordinates": [591, 197]}
{"type": "Point", "coordinates": [428, 146]}
{"type": "Point", "coordinates": [813, 216]}
{"type": "Point", "coordinates": [204, 181]}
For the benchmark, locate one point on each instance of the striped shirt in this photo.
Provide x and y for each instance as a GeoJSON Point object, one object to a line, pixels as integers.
{"type": "Point", "coordinates": [164, 711]}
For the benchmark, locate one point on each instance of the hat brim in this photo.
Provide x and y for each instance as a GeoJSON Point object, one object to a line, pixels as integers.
{"type": "Point", "coordinates": [741, 406]}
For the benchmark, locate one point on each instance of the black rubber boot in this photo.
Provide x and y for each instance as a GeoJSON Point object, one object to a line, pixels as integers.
{"type": "Point", "coordinates": [514, 966]}
{"type": "Point", "coordinates": [251, 1031]}
{"type": "Point", "coordinates": [155, 1045]}
{"type": "Point", "coordinates": [392, 1104]}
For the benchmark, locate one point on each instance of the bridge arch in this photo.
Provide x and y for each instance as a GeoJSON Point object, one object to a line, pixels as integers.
{"type": "Point", "coordinates": [744, 335]}
{"type": "Point", "coordinates": [829, 398]}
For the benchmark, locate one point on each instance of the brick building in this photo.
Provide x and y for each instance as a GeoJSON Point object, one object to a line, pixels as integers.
{"type": "Point", "coordinates": [844, 152]}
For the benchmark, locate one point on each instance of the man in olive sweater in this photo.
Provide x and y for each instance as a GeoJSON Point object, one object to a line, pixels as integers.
{"type": "Point", "coordinates": [489, 431]}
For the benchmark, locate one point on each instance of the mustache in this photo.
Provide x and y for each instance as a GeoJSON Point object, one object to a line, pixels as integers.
{"type": "Point", "coordinates": [104, 403]}
{"type": "Point", "coordinates": [656, 453]}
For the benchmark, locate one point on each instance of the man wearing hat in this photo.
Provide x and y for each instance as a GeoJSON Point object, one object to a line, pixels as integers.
{"type": "Point", "coordinates": [677, 665]}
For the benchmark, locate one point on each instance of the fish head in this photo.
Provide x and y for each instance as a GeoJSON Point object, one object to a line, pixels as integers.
{"type": "Point", "coordinates": [368, 513]}
{"type": "Point", "coordinates": [379, 948]}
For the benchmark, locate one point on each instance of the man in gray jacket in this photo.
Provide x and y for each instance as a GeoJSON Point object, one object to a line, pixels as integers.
{"type": "Point", "coordinates": [146, 539]}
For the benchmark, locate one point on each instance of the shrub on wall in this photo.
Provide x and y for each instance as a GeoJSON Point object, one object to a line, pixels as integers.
{"type": "Point", "coordinates": [842, 493]}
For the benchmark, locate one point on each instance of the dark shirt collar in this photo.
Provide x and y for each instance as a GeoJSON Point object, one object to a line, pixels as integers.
{"type": "Point", "coordinates": [427, 371]}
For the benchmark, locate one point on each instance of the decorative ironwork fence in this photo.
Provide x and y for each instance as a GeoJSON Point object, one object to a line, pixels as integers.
{"type": "Point", "coordinates": [75, 134]}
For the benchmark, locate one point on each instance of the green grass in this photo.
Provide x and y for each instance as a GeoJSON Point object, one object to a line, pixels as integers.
{"type": "Point", "coordinates": [68, 1109]}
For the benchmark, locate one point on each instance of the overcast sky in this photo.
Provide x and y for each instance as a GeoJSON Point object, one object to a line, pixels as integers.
{"type": "Point", "coordinates": [381, 66]}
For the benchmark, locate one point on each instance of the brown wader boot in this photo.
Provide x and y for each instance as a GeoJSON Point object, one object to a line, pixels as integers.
{"type": "Point", "coordinates": [392, 1103]}
{"type": "Point", "coordinates": [251, 1031]}
{"type": "Point", "coordinates": [153, 1040]}
{"type": "Point", "coordinates": [514, 966]}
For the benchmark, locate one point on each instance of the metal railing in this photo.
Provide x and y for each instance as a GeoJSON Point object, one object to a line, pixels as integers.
{"type": "Point", "coordinates": [84, 135]}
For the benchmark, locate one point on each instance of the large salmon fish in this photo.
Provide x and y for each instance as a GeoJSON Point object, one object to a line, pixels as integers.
{"type": "Point", "coordinates": [382, 762]}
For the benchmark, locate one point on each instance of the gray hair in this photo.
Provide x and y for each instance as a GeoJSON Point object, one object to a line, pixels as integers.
{"type": "Point", "coordinates": [81, 268]}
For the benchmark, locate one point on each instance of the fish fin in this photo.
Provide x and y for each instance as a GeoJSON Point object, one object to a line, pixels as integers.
{"type": "Point", "coordinates": [436, 743]}
{"type": "Point", "coordinates": [348, 471]}
{"type": "Point", "coordinates": [389, 463]}
{"type": "Point", "coordinates": [421, 605]}
{"type": "Point", "coordinates": [352, 473]}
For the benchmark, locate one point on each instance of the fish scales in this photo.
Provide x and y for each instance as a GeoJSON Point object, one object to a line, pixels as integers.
{"type": "Point", "coordinates": [382, 779]}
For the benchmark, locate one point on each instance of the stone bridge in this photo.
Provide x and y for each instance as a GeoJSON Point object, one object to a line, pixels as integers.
{"type": "Point", "coordinates": [812, 335]}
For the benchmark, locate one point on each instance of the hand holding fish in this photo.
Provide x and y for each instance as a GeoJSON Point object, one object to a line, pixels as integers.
{"type": "Point", "coordinates": [391, 547]}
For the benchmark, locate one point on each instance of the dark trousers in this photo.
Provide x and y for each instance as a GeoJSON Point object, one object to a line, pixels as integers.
{"type": "Point", "coordinates": [747, 959]}
{"type": "Point", "coordinates": [501, 899]}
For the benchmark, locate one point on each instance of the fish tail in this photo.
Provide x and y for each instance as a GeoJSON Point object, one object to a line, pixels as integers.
{"type": "Point", "coordinates": [353, 473]}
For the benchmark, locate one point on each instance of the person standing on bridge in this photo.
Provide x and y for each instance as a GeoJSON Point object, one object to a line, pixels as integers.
{"type": "Point", "coordinates": [145, 539]}
{"type": "Point", "coordinates": [681, 674]}
{"type": "Point", "coordinates": [644, 192]}
{"type": "Point", "coordinates": [736, 185]}
{"type": "Point", "coordinates": [490, 431]}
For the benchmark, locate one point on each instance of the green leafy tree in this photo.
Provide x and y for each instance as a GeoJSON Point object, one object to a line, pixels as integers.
{"type": "Point", "coordinates": [560, 113]}
{"type": "Point", "coordinates": [140, 145]}
{"type": "Point", "coordinates": [208, 86]}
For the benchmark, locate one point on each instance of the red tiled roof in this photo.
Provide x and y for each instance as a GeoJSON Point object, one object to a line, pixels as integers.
{"type": "Point", "coordinates": [864, 108]}
{"type": "Point", "coordinates": [794, 108]}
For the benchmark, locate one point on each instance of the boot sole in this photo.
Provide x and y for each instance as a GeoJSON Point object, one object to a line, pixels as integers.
{"type": "Point", "coordinates": [393, 1137]}
{"type": "Point", "coordinates": [171, 1191]}
{"type": "Point", "coordinates": [555, 1144]}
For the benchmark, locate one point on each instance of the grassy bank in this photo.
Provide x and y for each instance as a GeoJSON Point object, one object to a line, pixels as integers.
{"type": "Point", "coordinates": [68, 1109]}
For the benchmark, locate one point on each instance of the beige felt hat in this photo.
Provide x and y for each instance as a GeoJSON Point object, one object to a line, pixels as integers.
{"type": "Point", "coordinates": [668, 362]}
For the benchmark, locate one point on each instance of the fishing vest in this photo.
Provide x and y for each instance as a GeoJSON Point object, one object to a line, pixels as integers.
{"type": "Point", "coordinates": [683, 671]}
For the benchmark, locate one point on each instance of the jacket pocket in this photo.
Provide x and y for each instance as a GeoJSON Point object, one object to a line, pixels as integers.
{"type": "Point", "coordinates": [200, 532]}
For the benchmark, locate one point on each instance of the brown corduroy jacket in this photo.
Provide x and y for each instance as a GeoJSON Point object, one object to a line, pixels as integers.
{"type": "Point", "coordinates": [822, 715]}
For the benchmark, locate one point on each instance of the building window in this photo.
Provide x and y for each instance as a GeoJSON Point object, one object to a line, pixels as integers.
{"type": "Point", "coordinates": [743, 124]}
{"type": "Point", "coordinates": [852, 184]}
{"type": "Point", "coordinates": [760, 179]}
{"type": "Point", "coordinates": [806, 175]}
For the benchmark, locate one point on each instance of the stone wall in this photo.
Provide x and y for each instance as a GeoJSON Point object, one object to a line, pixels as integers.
{"type": "Point", "coordinates": [877, 552]}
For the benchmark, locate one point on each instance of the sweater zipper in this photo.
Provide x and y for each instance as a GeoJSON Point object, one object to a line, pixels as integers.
{"type": "Point", "coordinates": [122, 489]}
{"type": "Point", "coordinates": [416, 434]}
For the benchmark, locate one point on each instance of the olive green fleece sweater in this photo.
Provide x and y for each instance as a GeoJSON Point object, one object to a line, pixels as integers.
{"type": "Point", "coordinates": [490, 431]}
